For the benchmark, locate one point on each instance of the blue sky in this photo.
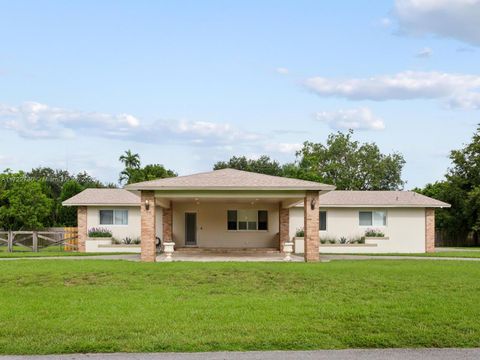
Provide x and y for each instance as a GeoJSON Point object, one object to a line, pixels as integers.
{"type": "Point", "coordinates": [188, 83]}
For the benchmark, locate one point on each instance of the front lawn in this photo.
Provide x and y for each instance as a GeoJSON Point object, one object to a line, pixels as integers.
{"type": "Point", "coordinates": [51, 251]}
{"type": "Point", "coordinates": [60, 306]}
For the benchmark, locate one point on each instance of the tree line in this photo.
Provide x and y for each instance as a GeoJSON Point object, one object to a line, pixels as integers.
{"type": "Point", "coordinates": [32, 200]}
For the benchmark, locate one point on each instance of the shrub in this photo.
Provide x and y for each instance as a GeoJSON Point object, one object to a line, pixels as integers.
{"type": "Point", "coordinates": [357, 240]}
{"type": "Point", "coordinates": [136, 241]}
{"type": "Point", "coordinates": [343, 240]}
{"type": "Point", "coordinates": [99, 232]}
{"type": "Point", "coordinates": [115, 241]}
{"type": "Point", "coordinates": [374, 233]}
{"type": "Point", "coordinates": [300, 232]}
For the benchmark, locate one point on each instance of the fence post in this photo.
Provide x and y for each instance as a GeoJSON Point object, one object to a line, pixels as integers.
{"type": "Point", "coordinates": [10, 241]}
{"type": "Point", "coordinates": [35, 241]}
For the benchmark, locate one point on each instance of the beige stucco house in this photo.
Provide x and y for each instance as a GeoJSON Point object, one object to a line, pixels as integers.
{"type": "Point", "coordinates": [234, 209]}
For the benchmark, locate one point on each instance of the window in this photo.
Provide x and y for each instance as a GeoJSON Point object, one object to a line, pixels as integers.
{"type": "Point", "coordinates": [323, 220]}
{"type": "Point", "coordinates": [372, 218]}
{"type": "Point", "coordinates": [113, 217]}
{"type": "Point", "coordinates": [262, 220]}
{"type": "Point", "coordinates": [247, 220]}
{"type": "Point", "coordinates": [232, 220]}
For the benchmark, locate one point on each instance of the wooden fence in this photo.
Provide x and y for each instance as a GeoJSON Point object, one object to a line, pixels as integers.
{"type": "Point", "coordinates": [65, 239]}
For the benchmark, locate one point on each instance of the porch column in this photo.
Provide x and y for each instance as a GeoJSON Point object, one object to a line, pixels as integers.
{"type": "Point", "coordinates": [429, 230]}
{"type": "Point", "coordinates": [82, 228]}
{"type": "Point", "coordinates": [311, 226]}
{"type": "Point", "coordinates": [147, 215]}
{"type": "Point", "coordinates": [167, 220]}
{"type": "Point", "coordinates": [284, 226]}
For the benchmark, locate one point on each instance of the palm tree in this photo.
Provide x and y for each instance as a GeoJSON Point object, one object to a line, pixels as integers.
{"type": "Point", "coordinates": [131, 162]}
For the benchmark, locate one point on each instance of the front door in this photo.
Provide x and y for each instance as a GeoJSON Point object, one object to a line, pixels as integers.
{"type": "Point", "coordinates": [190, 228]}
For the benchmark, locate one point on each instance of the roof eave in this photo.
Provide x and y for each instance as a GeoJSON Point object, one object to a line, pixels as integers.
{"type": "Point", "coordinates": [100, 204]}
{"type": "Point", "coordinates": [236, 188]}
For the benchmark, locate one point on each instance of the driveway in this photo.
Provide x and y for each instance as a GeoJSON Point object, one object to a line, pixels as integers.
{"type": "Point", "coordinates": [356, 354]}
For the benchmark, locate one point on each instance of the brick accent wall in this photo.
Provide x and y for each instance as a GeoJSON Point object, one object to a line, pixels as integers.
{"type": "Point", "coordinates": [167, 219]}
{"type": "Point", "coordinates": [311, 226]}
{"type": "Point", "coordinates": [147, 223]}
{"type": "Point", "coordinates": [82, 227]}
{"type": "Point", "coordinates": [429, 230]}
{"type": "Point", "coordinates": [284, 226]}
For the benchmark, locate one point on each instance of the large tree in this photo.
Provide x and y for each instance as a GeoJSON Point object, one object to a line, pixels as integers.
{"type": "Point", "coordinates": [23, 204]}
{"type": "Point", "coordinates": [133, 171]}
{"type": "Point", "coordinates": [342, 161]}
{"type": "Point", "coordinates": [262, 165]}
{"type": "Point", "coordinates": [349, 164]}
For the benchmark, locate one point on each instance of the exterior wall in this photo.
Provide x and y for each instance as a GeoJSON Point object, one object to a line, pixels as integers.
{"type": "Point", "coordinates": [119, 232]}
{"type": "Point", "coordinates": [405, 229]}
{"type": "Point", "coordinates": [212, 225]}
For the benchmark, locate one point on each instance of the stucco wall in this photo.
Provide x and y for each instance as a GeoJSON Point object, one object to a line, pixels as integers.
{"type": "Point", "coordinates": [405, 229]}
{"type": "Point", "coordinates": [212, 225]}
{"type": "Point", "coordinates": [118, 231]}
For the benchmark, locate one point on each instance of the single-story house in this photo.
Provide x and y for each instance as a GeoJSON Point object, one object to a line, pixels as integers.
{"type": "Point", "coordinates": [236, 209]}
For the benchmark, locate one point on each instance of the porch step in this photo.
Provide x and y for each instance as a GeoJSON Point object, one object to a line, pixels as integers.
{"type": "Point", "coordinates": [193, 250]}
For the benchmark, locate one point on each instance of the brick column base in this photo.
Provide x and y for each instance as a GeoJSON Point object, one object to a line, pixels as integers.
{"type": "Point", "coordinates": [147, 220]}
{"type": "Point", "coordinates": [167, 220]}
{"type": "Point", "coordinates": [284, 226]}
{"type": "Point", "coordinates": [311, 226]}
{"type": "Point", "coordinates": [429, 230]}
{"type": "Point", "coordinates": [82, 227]}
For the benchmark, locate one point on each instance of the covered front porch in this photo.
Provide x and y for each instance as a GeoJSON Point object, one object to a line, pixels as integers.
{"type": "Point", "coordinates": [219, 212]}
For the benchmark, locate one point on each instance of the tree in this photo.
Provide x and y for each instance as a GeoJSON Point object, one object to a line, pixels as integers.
{"type": "Point", "coordinates": [262, 165]}
{"type": "Point", "coordinates": [67, 215]}
{"type": "Point", "coordinates": [348, 164]}
{"type": "Point", "coordinates": [23, 204]}
{"type": "Point", "coordinates": [133, 172]}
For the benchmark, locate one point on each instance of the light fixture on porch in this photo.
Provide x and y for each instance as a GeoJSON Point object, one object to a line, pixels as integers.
{"type": "Point", "coordinates": [147, 205]}
{"type": "Point", "coordinates": [313, 203]}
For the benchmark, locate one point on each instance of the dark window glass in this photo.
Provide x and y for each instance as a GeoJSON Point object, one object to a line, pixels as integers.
{"type": "Point", "coordinates": [232, 219]}
{"type": "Point", "coordinates": [106, 217]}
{"type": "Point", "coordinates": [323, 220]}
{"type": "Point", "coordinates": [262, 220]}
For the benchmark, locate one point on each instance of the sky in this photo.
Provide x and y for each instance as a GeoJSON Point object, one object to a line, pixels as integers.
{"type": "Point", "coordinates": [188, 83]}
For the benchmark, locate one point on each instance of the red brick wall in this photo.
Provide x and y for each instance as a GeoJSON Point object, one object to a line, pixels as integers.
{"type": "Point", "coordinates": [429, 230]}
{"type": "Point", "coordinates": [149, 251]}
{"type": "Point", "coordinates": [284, 225]}
{"type": "Point", "coordinates": [167, 220]}
{"type": "Point", "coordinates": [82, 227]}
{"type": "Point", "coordinates": [311, 226]}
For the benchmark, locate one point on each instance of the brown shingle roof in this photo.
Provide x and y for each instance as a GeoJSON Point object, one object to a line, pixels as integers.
{"type": "Point", "coordinates": [343, 198]}
{"type": "Point", "coordinates": [229, 179]}
{"type": "Point", "coordinates": [104, 197]}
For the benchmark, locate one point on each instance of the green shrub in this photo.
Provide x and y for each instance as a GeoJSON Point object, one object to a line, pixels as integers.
{"type": "Point", "coordinates": [374, 233]}
{"type": "Point", "coordinates": [300, 232]}
{"type": "Point", "coordinates": [99, 232]}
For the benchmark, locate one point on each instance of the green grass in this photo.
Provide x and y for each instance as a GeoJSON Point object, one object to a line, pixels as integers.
{"type": "Point", "coordinates": [51, 251]}
{"type": "Point", "coordinates": [105, 306]}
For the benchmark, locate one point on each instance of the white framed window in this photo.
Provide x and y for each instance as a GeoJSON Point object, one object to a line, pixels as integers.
{"type": "Point", "coordinates": [247, 220]}
{"type": "Point", "coordinates": [372, 218]}
{"type": "Point", "coordinates": [113, 217]}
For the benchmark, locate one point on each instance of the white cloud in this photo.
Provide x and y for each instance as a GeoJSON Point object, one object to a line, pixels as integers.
{"type": "Point", "coordinates": [36, 120]}
{"type": "Point", "coordinates": [401, 86]}
{"type": "Point", "coordinates": [282, 70]}
{"type": "Point", "coordinates": [425, 53]}
{"type": "Point", "coordinates": [357, 119]}
{"type": "Point", "coordinates": [385, 22]}
{"type": "Point", "coordinates": [284, 148]}
{"type": "Point", "coordinates": [466, 101]}
{"type": "Point", "coordinates": [458, 19]}
{"type": "Point", "coordinates": [40, 121]}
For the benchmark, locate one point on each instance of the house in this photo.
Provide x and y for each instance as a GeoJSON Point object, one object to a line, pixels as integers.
{"type": "Point", "coordinates": [236, 209]}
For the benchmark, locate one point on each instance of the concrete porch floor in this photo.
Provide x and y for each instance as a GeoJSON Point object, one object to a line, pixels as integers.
{"type": "Point", "coordinates": [228, 256]}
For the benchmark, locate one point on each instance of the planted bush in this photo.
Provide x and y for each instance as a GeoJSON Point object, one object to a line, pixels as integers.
{"type": "Point", "coordinates": [300, 232]}
{"type": "Point", "coordinates": [374, 233]}
{"type": "Point", "coordinates": [99, 232]}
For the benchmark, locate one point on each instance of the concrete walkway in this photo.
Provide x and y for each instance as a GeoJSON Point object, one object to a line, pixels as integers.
{"type": "Point", "coordinates": [222, 257]}
{"type": "Point", "coordinates": [327, 258]}
{"type": "Point", "coordinates": [355, 354]}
